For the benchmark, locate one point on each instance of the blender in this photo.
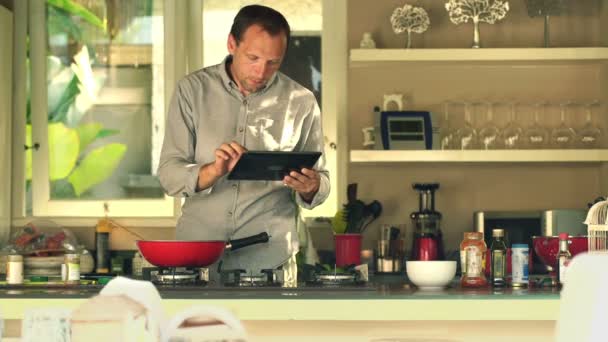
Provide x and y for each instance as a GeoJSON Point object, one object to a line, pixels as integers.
{"type": "Point", "coordinates": [428, 240]}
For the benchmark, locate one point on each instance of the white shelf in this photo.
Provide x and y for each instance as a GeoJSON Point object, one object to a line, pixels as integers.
{"type": "Point", "coordinates": [464, 55]}
{"type": "Point", "coordinates": [479, 156]}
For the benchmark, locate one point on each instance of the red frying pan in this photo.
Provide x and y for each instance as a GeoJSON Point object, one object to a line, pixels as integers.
{"type": "Point", "coordinates": [175, 253]}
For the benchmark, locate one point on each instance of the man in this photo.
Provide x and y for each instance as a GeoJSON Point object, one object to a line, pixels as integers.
{"type": "Point", "coordinates": [220, 112]}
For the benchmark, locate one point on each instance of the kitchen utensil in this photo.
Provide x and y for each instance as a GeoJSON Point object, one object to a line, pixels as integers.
{"type": "Point", "coordinates": [354, 210]}
{"type": "Point", "coordinates": [338, 222]}
{"type": "Point", "coordinates": [428, 240]}
{"type": "Point", "coordinates": [175, 253]}
{"type": "Point", "coordinates": [547, 247]}
{"type": "Point", "coordinates": [430, 275]}
{"type": "Point", "coordinates": [372, 212]}
{"type": "Point", "coordinates": [389, 256]}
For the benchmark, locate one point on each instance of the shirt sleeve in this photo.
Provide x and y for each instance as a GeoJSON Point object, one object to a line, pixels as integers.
{"type": "Point", "coordinates": [313, 141]}
{"type": "Point", "coordinates": [177, 170]}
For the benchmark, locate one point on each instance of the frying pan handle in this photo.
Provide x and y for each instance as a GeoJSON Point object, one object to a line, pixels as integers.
{"type": "Point", "coordinates": [233, 245]}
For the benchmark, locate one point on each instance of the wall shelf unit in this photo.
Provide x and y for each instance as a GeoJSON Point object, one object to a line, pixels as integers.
{"type": "Point", "coordinates": [363, 56]}
{"type": "Point", "coordinates": [480, 156]}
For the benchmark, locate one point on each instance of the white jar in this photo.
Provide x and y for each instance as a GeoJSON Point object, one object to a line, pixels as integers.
{"type": "Point", "coordinates": [14, 269]}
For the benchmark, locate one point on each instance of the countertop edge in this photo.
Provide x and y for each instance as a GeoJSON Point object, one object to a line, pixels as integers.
{"type": "Point", "coordinates": [340, 309]}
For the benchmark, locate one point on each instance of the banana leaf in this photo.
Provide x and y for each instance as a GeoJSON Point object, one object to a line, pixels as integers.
{"type": "Point", "coordinates": [96, 167]}
{"type": "Point", "coordinates": [76, 9]}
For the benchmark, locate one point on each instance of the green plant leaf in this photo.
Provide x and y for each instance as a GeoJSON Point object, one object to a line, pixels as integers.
{"type": "Point", "coordinates": [60, 22]}
{"type": "Point", "coordinates": [88, 133]}
{"type": "Point", "coordinates": [107, 133]}
{"type": "Point", "coordinates": [67, 99]}
{"type": "Point", "coordinates": [64, 147]}
{"type": "Point", "coordinates": [98, 165]}
{"type": "Point", "coordinates": [78, 10]}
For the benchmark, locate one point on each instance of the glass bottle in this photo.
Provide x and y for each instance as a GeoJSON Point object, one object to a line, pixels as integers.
{"type": "Point", "coordinates": [472, 255]}
{"type": "Point", "coordinates": [563, 258]}
{"type": "Point", "coordinates": [498, 262]}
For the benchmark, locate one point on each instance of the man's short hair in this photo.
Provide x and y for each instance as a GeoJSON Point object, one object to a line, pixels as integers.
{"type": "Point", "coordinates": [271, 20]}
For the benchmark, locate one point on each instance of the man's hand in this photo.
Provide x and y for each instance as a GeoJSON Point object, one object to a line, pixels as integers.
{"type": "Point", "coordinates": [226, 157]}
{"type": "Point", "coordinates": [305, 183]}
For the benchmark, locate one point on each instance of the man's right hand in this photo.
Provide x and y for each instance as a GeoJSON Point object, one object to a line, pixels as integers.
{"type": "Point", "coordinates": [226, 157]}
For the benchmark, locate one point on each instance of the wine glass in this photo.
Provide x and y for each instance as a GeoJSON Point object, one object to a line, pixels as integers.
{"type": "Point", "coordinates": [489, 134]}
{"type": "Point", "coordinates": [563, 136]}
{"type": "Point", "coordinates": [536, 136]}
{"type": "Point", "coordinates": [589, 134]}
{"type": "Point", "coordinates": [512, 133]}
{"type": "Point", "coordinates": [448, 133]}
{"type": "Point", "coordinates": [467, 135]}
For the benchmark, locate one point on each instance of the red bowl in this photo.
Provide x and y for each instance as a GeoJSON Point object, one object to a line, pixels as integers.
{"type": "Point", "coordinates": [547, 247]}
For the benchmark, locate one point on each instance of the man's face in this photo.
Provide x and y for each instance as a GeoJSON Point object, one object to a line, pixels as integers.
{"type": "Point", "coordinates": [256, 58]}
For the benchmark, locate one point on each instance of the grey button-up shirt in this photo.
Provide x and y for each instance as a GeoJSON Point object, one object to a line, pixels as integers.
{"type": "Point", "coordinates": [207, 110]}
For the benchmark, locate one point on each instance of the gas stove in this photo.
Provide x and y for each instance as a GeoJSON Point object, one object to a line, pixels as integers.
{"type": "Point", "coordinates": [323, 276]}
{"type": "Point", "coordinates": [176, 276]}
{"type": "Point", "coordinates": [240, 278]}
{"type": "Point", "coordinates": [311, 277]}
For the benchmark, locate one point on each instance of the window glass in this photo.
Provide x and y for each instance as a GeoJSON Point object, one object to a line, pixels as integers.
{"type": "Point", "coordinates": [105, 97]}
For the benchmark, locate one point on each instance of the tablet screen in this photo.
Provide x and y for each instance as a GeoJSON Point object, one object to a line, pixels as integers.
{"type": "Point", "coordinates": [271, 165]}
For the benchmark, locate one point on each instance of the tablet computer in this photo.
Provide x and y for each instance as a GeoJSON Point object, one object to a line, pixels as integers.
{"type": "Point", "coordinates": [271, 165]}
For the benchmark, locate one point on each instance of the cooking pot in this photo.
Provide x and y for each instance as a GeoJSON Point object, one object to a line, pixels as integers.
{"type": "Point", "coordinates": [175, 253]}
{"type": "Point", "coordinates": [547, 247]}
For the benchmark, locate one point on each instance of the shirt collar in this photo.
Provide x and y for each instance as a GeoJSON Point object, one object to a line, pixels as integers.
{"type": "Point", "coordinates": [230, 84]}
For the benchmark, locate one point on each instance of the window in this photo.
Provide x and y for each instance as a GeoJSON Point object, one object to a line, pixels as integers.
{"type": "Point", "coordinates": [103, 106]}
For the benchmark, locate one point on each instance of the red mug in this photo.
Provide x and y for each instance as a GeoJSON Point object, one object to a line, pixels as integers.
{"type": "Point", "coordinates": [348, 249]}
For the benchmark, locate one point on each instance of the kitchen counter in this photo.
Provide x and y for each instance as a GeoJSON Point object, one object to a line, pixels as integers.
{"type": "Point", "coordinates": [379, 300]}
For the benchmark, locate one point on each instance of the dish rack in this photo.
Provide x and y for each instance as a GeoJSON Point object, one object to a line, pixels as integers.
{"type": "Point", "coordinates": [597, 227]}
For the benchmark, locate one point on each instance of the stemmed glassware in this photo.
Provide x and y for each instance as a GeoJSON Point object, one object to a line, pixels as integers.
{"type": "Point", "coordinates": [489, 133]}
{"type": "Point", "coordinates": [536, 136]}
{"type": "Point", "coordinates": [589, 134]}
{"type": "Point", "coordinates": [563, 136]}
{"type": "Point", "coordinates": [467, 135]}
{"type": "Point", "coordinates": [448, 133]}
{"type": "Point", "coordinates": [512, 132]}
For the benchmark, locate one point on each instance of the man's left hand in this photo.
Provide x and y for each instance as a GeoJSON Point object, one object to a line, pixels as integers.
{"type": "Point", "coordinates": [305, 183]}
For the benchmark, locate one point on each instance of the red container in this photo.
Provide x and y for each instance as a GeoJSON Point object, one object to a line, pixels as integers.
{"type": "Point", "coordinates": [428, 249]}
{"type": "Point", "coordinates": [547, 247]}
{"type": "Point", "coordinates": [348, 249]}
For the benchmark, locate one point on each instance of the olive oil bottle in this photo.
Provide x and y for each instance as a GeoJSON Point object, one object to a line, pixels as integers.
{"type": "Point", "coordinates": [498, 262]}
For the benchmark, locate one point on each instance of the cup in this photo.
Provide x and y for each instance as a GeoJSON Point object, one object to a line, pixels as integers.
{"type": "Point", "coordinates": [348, 249]}
{"type": "Point", "coordinates": [46, 324]}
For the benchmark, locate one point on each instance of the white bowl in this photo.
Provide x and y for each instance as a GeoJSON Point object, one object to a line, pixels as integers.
{"type": "Point", "coordinates": [430, 274]}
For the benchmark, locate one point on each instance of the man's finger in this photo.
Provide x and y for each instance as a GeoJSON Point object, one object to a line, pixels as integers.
{"type": "Point", "coordinates": [302, 178]}
{"type": "Point", "coordinates": [240, 149]}
{"type": "Point", "coordinates": [228, 149]}
{"type": "Point", "coordinates": [222, 154]}
{"type": "Point", "coordinates": [309, 172]}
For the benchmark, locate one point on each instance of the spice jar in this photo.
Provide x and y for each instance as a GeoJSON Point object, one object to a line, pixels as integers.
{"type": "Point", "coordinates": [70, 270]}
{"type": "Point", "coordinates": [14, 269]}
{"type": "Point", "coordinates": [472, 255]}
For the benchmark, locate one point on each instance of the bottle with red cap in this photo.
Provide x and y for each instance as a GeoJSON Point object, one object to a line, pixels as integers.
{"type": "Point", "coordinates": [563, 257]}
